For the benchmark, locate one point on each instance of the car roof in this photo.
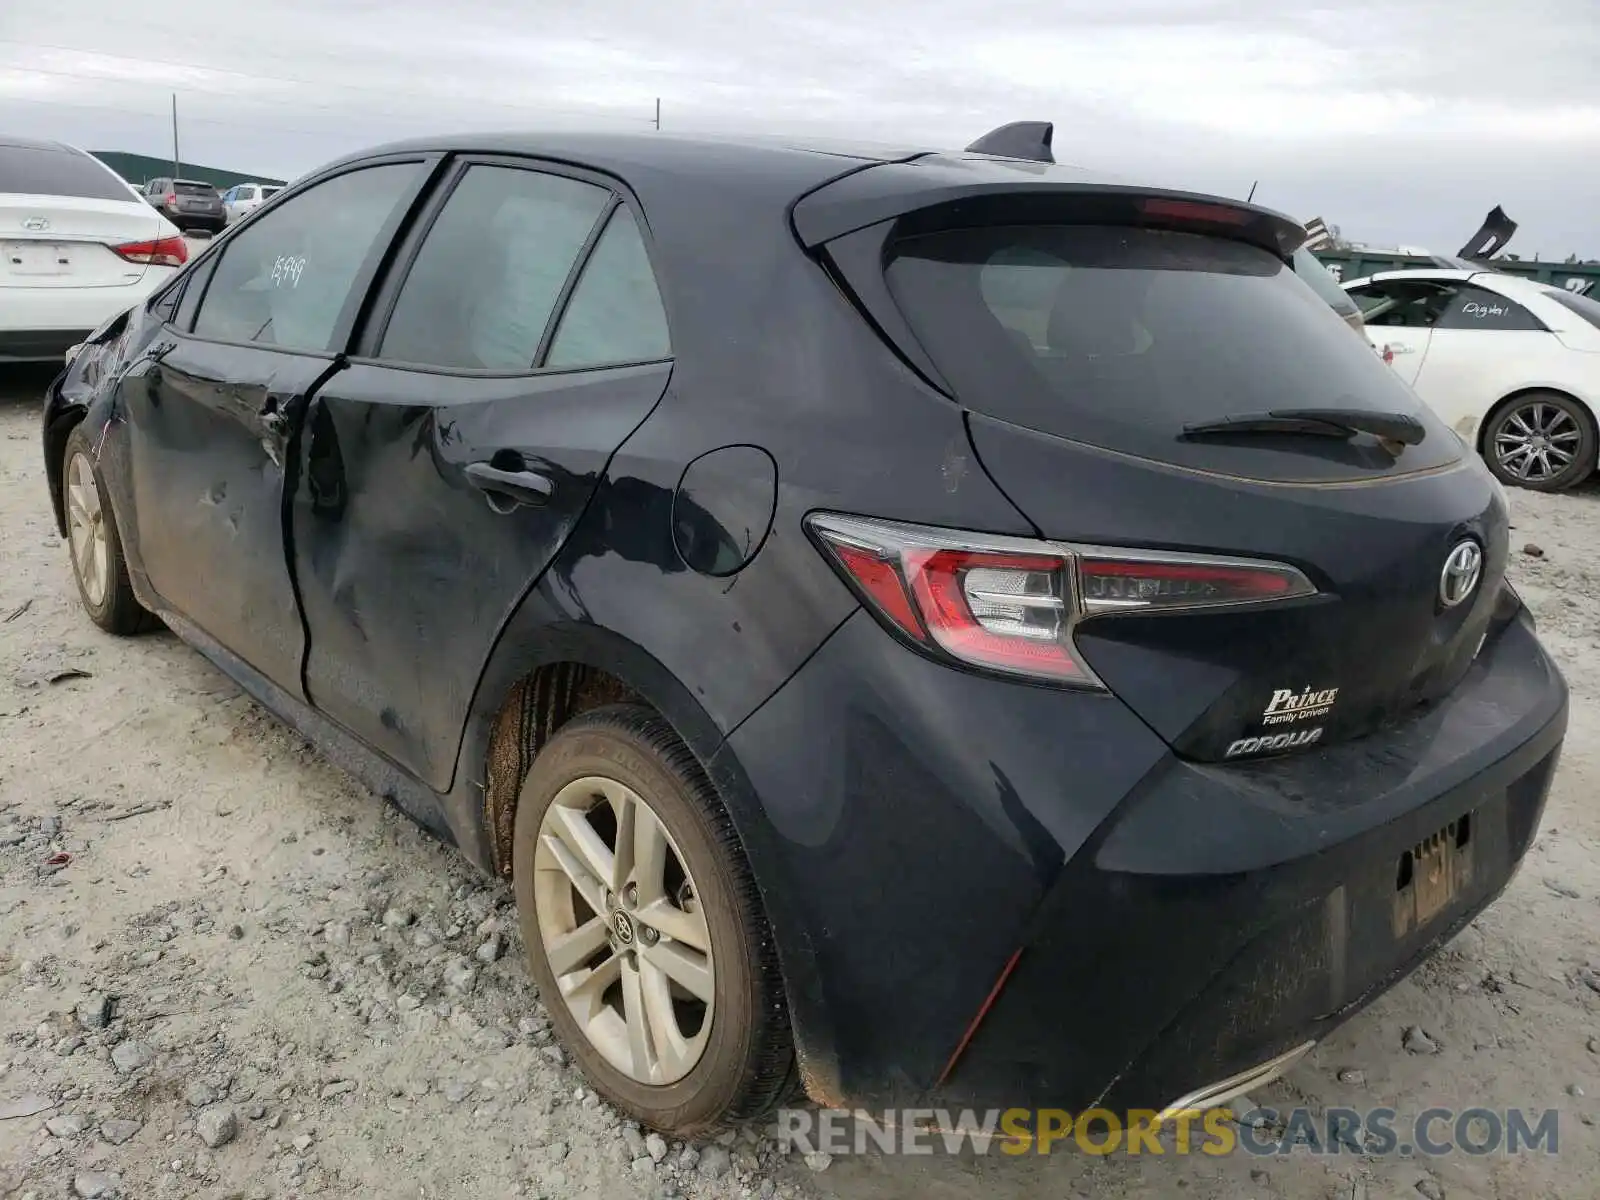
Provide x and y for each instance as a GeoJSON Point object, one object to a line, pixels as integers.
{"type": "Point", "coordinates": [11, 142]}
{"type": "Point", "coordinates": [1497, 281]}
{"type": "Point", "coordinates": [682, 171]}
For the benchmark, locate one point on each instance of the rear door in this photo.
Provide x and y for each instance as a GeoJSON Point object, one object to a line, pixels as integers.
{"type": "Point", "coordinates": [1484, 346]}
{"type": "Point", "coordinates": [1099, 364]}
{"type": "Point", "coordinates": [215, 408]}
{"type": "Point", "coordinates": [519, 341]}
{"type": "Point", "coordinates": [1400, 315]}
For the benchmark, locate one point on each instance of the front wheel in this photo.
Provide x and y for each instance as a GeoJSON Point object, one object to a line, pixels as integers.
{"type": "Point", "coordinates": [644, 928]}
{"type": "Point", "coordinates": [1542, 440]}
{"type": "Point", "coordinates": [97, 562]}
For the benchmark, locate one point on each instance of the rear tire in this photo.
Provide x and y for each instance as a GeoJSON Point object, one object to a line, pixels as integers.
{"type": "Point", "coordinates": [675, 1062]}
{"type": "Point", "coordinates": [1544, 441]}
{"type": "Point", "coordinates": [95, 547]}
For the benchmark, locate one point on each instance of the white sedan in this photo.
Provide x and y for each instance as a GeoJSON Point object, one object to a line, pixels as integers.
{"type": "Point", "coordinates": [1512, 364]}
{"type": "Point", "coordinates": [77, 247]}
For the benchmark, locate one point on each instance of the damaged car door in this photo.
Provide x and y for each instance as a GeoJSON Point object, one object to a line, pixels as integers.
{"type": "Point", "coordinates": [519, 339]}
{"type": "Point", "coordinates": [214, 405]}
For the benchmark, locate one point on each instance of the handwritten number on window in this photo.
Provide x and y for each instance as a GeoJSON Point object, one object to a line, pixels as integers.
{"type": "Point", "coordinates": [287, 268]}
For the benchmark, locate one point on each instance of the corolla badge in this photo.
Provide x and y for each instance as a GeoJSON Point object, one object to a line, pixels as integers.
{"type": "Point", "coordinates": [1462, 570]}
{"type": "Point", "coordinates": [36, 224]}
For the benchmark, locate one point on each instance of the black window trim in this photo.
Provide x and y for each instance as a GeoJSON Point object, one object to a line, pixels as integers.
{"type": "Point", "coordinates": [386, 295]}
{"type": "Point", "coordinates": [367, 273]}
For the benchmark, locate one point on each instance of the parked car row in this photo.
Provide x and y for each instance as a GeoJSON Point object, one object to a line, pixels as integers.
{"type": "Point", "coordinates": [763, 556]}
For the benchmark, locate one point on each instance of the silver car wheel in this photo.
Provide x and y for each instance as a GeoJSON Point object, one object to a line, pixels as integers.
{"type": "Point", "coordinates": [86, 531]}
{"type": "Point", "coordinates": [622, 929]}
{"type": "Point", "coordinates": [1537, 441]}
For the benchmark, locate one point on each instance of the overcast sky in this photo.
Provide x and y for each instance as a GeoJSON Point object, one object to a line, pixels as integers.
{"type": "Point", "coordinates": [1401, 122]}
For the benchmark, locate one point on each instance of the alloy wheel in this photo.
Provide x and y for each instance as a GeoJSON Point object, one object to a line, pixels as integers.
{"type": "Point", "coordinates": [1537, 441]}
{"type": "Point", "coordinates": [86, 531]}
{"type": "Point", "coordinates": [622, 930]}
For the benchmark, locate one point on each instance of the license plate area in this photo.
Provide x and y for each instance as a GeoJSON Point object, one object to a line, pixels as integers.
{"type": "Point", "coordinates": [37, 258]}
{"type": "Point", "coordinates": [1432, 874]}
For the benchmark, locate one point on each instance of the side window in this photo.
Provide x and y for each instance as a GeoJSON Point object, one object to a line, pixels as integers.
{"type": "Point", "coordinates": [284, 280]}
{"type": "Point", "coordinates": [1403, 303]}
{"type": "Point", "coordinates": [615, 313]}
{"type": "Point", "coordinates": [1478, 308]}
{"type": "Point", "coordinates": [491, 269]}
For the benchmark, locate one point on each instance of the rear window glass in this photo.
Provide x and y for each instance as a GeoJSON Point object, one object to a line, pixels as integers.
{"type": "Point", "coordinates": [185, 188]}
{"type": "Point", "coordinates": [1120, 337]}
{"type": "Point", "coordinates": [46, 171]}
{"type": "Point", "coordinates": [1585, 307]}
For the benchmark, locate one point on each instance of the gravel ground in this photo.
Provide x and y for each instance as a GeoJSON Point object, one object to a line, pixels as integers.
{"type": "Point", "coordinates": [252, 979]}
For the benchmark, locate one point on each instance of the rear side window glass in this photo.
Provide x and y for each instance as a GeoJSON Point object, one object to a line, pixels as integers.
{"type": "Point", "coordinates": [1120, 337]}
{"type": "Point", "coordinates": [491, 270]}
{"type": "Point", "coordinates": [615, 313]}
{"type": "Point", "coordinates": [51, 171]}
{"type": "Point", "coordinates": [1477, 308]}
{"type": "Point", "coordinates": [284, 280]}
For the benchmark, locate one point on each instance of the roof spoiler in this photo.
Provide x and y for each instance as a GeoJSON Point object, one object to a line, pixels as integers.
{"type": "Point", "coordinates": [1020, 139]}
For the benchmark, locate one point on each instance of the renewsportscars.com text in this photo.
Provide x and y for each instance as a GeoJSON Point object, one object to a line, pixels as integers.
{"type": "Point", "coordinates": [1432, 1133]}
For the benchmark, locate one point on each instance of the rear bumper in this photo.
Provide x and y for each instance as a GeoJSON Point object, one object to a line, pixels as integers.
{"type": "Point", "coordinates": [39, 345]}
{"type": "Point", "coordinates": [1160, 925]}
{"type": "Point", "coordinates": [39, 324]}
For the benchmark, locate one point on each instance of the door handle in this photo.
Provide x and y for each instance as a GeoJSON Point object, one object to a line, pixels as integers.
{"type": "Point", "coordinates": [519, 487]}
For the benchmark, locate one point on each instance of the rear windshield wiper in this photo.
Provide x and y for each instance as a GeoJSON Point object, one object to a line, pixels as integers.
{"type": "Point", "coordinates": [1321, 422]}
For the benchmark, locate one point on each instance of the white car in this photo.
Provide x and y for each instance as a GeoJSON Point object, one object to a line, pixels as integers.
{"type": "Point", "coordinates": [77, 247]}
{"type": "Point", "coordinates": [243, 199]}
{"type": "Point", "coordinates": [1511, 364]}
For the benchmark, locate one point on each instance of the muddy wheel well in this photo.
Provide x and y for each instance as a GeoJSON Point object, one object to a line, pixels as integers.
{"type": "Point", "coordinates": [538, 706]}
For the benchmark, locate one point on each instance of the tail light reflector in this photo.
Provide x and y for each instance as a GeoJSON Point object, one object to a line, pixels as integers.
{"type": "Point", "coordinates": [163, 252]}
{"type": "Point", "coordinates": [1009, 605]}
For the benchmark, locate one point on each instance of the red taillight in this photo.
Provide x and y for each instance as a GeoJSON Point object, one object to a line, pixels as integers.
{"type": "Point", "coordinates": [1010, 604]}
{"type": "Point", "coordinates": [1191, 210]}
{"type": "Point", "coordinates": [163, 252]}
{"type": "Point", "coordinates": [170, 199]}
{"type": "Point", "coordinates": [881, 581]}
{"type": "Point", "coordinates": [1006, 611]}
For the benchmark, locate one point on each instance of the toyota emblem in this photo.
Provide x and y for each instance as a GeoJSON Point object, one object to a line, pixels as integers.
{"type": "Point", "coordinates": [1462, 569]}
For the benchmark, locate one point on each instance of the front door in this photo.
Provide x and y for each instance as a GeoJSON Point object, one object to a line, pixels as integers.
{"type": "Point", "coordinates": [446, 467]}
{"type": "Point", "coordinates": [1400, 315]}
{"type": "Point", "coordinates": [213, 413]}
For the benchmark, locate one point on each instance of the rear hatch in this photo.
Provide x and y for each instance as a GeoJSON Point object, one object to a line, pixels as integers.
{"type": "Point", "coordinates": [60, 213]}
{"type": "Point", "coordinates": [1101, 339]}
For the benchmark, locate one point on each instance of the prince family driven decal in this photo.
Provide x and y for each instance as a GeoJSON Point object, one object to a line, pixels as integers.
{"type": "Point", "coordinates": [1288, 706]}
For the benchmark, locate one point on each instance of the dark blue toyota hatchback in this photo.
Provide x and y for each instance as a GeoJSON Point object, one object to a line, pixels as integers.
{"type": "Point", "coordinates": [930, 628]}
